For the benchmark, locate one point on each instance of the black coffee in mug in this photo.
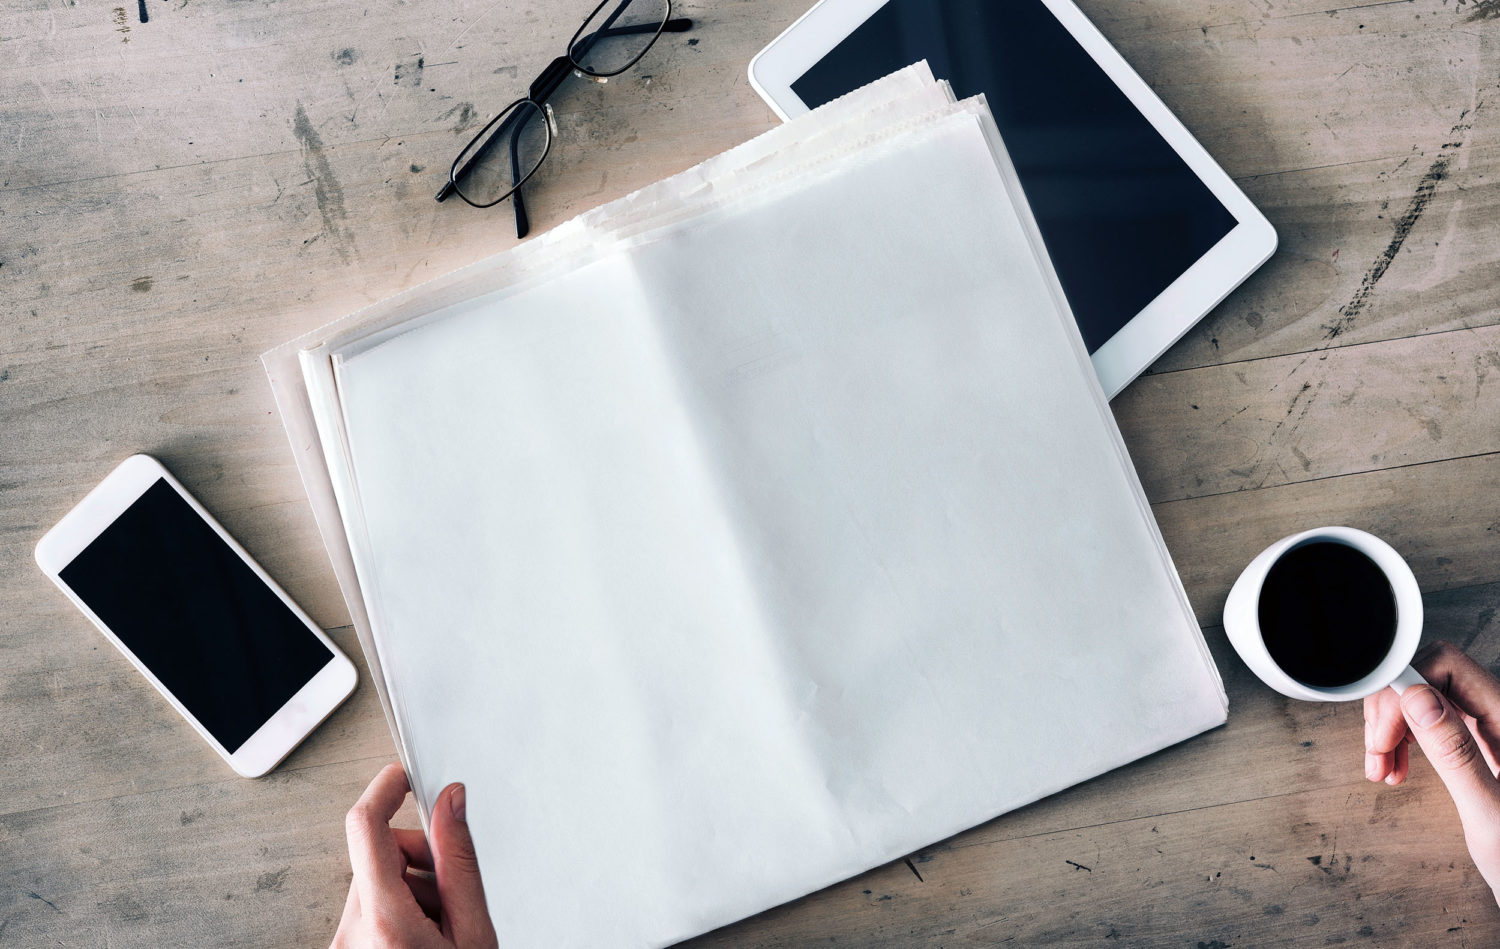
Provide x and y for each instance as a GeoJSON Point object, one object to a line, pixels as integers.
{"type": "Point", "coordinates": [1327, 614]}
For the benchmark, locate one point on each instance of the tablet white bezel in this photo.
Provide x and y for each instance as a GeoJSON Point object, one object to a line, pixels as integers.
{"type": "Point", "coordinates": [1177, 308]}
{"type": "Point", "coordinates": [295, 720]}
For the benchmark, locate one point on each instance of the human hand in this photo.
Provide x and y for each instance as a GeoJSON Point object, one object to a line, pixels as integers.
{"type": "Point", "coordinates": [406, 895]}
{"type": "Point", "coordinates": [1457, 723]}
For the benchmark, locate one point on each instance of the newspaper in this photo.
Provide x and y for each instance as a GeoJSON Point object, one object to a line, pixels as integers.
{"type": "Point", "coordinates": [748, 532]}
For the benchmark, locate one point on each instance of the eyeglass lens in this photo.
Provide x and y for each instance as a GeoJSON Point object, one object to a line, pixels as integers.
{"type": "Point", "coordinates": [617, 34]}
{"type": "Point", "coordinates": [507, 156]}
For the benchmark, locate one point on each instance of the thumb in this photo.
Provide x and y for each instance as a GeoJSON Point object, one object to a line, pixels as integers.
{"type": "Point", "coordinates": [466, 919]}
{"type": "Point", "coordinates": [1450, 746]}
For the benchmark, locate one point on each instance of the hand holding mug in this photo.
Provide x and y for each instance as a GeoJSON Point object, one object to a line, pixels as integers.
{"type": "Point", "coordinates": [1456, 720]}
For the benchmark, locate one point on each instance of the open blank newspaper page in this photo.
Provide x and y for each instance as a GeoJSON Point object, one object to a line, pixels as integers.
{"type": "Point", "coordinates": [759, 551]}
{"type": "Point", "coordinates": [301, 371]}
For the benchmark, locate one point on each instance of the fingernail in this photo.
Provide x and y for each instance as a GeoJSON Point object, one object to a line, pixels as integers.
{"type": "Point", "coordinates": [1372, 767]}
{"type": "Point", "coordinates": [1424, 707]}
{"type": "Point", "coordinates": [456, 801]}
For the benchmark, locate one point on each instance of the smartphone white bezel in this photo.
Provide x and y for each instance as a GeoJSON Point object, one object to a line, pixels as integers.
{"type": "Point", "coordinates": [1176, 309]}
{"type": "Point", "coordinates": [295, 720]}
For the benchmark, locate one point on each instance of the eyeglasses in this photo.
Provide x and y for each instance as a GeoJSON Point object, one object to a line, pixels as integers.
{"type": "Point", "coordinates": [512, 145]}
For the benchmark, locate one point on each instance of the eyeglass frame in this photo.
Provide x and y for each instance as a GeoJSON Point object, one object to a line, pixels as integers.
{"type": "Point", "coordinates": [541, 89]}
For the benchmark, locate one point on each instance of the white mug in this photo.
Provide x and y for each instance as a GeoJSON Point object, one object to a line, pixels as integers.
{"type": "Point", "coordinates": [1242, 619]}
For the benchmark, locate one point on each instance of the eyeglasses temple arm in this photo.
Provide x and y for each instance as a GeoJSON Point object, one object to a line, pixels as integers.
{"type": "Point", "coordinates": [523, 220]}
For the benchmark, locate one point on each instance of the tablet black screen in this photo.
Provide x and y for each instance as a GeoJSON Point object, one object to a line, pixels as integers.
{"type": "Point", "coordinates": [1122, 215]}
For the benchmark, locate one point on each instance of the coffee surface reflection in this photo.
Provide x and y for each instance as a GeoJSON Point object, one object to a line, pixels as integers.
{"type": "Point", "coordinates": [1327, 614]}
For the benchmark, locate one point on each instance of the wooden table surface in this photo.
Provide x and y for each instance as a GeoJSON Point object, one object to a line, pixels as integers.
{"type": "Point", "coordinates": [186, 184]}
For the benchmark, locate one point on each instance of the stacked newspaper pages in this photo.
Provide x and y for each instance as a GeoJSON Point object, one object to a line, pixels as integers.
{"type": "Point", "coordinates": [748, 532]}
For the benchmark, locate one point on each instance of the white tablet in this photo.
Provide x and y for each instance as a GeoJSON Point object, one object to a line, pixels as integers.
{"type": "Point", "coordinates": [1146, 232]}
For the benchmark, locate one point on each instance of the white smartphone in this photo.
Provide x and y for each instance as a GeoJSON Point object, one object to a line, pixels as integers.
{"type": "Point", "coordinates": [196, 615]}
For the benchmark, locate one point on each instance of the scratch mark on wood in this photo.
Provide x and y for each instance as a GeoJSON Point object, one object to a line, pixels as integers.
{"type": "Point", "coordinates": [272, 881]}
{"type": "Point", "coordinates": [121, 26]}
{"type": "Point", "coordinates": [1483, 363]}
{"type": "Point", "coordinates": [38, 896]}
{"type": "Point", "coordinates": [466, 116]}
{"type": "Point", "coordinates": [1292, 407]}
{"type": "Point", "coordinates": [1078, 866]}
{"type": "Point", "coordinates": [374, 87]}
{"type": "Point", "coordinates": [326, 188]}
{"type": "Point", "coordinates": [410, 72]}
{"type": "Point", "coordinates": [1433, 426]}
{"type": "Point", "coordinates": [1426, 188]}
{"type": "Point", "coordinates": [1484, 10]}
{"type": "Point", "coordinates": [465, 31]}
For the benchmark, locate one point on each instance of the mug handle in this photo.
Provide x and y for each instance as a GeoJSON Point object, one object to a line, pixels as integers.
{"type": "Point", "coordinates": [1408, 678]}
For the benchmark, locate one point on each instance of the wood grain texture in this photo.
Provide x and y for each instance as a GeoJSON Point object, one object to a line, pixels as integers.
{"type": "Point", "coordinates": [180, 194]}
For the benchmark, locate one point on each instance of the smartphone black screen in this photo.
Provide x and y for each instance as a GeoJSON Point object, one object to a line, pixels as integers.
{"type": "Point", "coordinates": [1122, 215]}
{"type": "Point", "coordinates": [196, 615]}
